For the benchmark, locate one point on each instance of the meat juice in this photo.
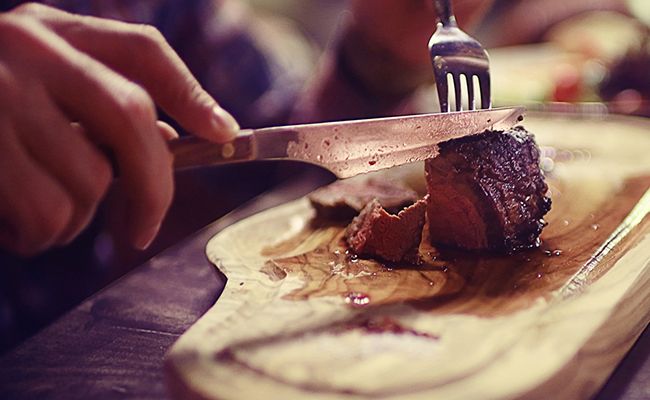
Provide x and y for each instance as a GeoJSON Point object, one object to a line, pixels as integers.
{"type": "Point", "coordinates": [362, 307]}
{"type": "Point", "coordinates": [446, 280]}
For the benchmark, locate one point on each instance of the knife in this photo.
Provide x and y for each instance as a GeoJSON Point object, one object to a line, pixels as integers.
{"type": "Point", "coordinates": [346, 148]}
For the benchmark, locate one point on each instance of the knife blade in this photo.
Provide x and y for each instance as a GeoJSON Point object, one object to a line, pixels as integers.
{"type": "Point", "coordinates": [346, 148]}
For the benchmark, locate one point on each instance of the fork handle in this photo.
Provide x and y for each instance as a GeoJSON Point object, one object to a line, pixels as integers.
{"type": "Point", "coordinates": [444, 13]}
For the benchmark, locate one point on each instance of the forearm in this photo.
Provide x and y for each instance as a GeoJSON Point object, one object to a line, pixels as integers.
{"type": "Point", "coordinates": [360, 79]}
{"type": "Point", "coordinates": [516, 22]}
{"type": "Point", "coordinates": [363, 76]}
{"type": "Point", "coordinates": [380, 59]}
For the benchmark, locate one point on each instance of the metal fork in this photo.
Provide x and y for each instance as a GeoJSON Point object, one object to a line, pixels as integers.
{"type": "Point", "coordinates": [456, 53]}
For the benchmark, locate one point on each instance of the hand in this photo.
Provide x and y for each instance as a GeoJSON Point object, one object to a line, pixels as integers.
{"type": "Point", "coordinates": [68, 88]}
{"type": "Point", "coordinates": [403, 27]}
{"type": "Point", "coordinates": [380, 60]}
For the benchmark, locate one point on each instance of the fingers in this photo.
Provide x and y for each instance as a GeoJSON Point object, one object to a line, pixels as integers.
{"type": "Point", "coordinates": [63, 150]}
{"type": "Point", "coordinates": [34, 209]}
{"type": "Point", "coordinates": [114, 112]}
{"type": "Point", "coordinates": [52, 176]}
{"type": "Point", "coordinates": [167, 132]}
{"type": "Point", "coordinates": [140, 53]}
{"type": "Point", "coordinates": [85, 73]}
{"type": "Point", "coordinates": [119, 114]}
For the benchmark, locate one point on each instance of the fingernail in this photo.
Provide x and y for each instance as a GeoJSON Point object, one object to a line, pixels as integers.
{"type": "Point", "coordinates": [166, 130]}
{"type": "Point", "coordinates": [144, 239]}
{"type": "Point", "coordinates": [223, 121]}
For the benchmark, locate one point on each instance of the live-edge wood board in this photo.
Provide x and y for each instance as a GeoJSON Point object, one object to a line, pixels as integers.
{"type": "Point", "coordinates": [302, 318]}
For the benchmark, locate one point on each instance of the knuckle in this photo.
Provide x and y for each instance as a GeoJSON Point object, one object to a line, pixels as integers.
{"type": "Point", "coordinates": [24, 34]}
{"type": "Point", "coordinates": [102, 176]}
{"type": "Point", "coordinates": [151, 33]}
{"type": "Point", "coordinates": [52, 222]}
{"type": "Point", "coordinates": [193, 93]}
{"type": "Point", "coordinates": [146, 37]}
{"type": "Point", "coordinates": [14, 28]}
{"type": "Point", "coordinates": [137, 106]}
{"type": "Point", "coordinates": [30, 8]}
{"type": "Point", "coordinates": [42, 227]}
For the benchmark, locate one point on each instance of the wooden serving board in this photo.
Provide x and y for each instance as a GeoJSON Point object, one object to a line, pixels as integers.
{"type": "Point", "coordinates": [302, 318]}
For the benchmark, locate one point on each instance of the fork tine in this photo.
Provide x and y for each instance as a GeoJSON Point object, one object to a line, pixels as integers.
{"type": "Point", "coordinates": [443, 94]}
{"type": "Point", "coordinates": [470, 92]}
{"type": "Point", "coordinates": [457, 91]}
{"type": "Point", "coordinates": [454, 52]}
{"type": "Point", "coordinates": [484, 85]}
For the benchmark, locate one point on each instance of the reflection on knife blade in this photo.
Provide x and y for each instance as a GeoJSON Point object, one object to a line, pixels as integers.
{"type": "Point", "coordinates": [347, 148]}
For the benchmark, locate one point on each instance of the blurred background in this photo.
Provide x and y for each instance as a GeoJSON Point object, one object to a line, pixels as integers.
{"type": "Point", "coordinates": [257, 56]}
{"type": "Point", "coordinates": [587, 53]}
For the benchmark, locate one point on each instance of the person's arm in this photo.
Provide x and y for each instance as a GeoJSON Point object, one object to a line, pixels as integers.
{"type": "Point", "coordinates": [516, 22]}
{"type": "Point", "coordinates": [71, 86]}
{"type": "Point", "coordinates": [378, 60]}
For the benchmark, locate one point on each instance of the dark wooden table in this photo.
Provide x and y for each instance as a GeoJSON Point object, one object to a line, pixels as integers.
{"type": "Point", "coordinates": [112, 345]}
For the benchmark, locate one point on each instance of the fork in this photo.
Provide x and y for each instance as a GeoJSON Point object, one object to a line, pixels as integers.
{"type": "Point", "coordinates": [455, 53]}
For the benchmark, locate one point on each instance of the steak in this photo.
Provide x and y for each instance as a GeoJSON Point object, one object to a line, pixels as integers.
{"type": "Point", "coordinates": [375, 232]}
{"type": "Point", "coordinates": [487, 192]}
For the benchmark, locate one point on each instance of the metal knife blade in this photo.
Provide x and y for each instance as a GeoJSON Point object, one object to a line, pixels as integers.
{"type": "Point", "coordinates": [347, 148]}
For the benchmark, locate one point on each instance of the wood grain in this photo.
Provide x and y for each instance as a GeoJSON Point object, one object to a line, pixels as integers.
{"type": "Point", "coordinates": [300, 317]}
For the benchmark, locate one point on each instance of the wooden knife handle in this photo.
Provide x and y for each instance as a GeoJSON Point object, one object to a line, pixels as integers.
{"type": "Point", "coordinates": [191, 151]}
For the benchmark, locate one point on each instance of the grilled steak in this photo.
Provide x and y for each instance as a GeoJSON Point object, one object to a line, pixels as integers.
{"type": "Point", "coordinates": [375, 232]}
{"type": "Point", "coordinates": [487, 192]}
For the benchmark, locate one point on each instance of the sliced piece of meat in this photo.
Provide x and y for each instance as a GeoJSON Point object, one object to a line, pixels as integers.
{"type": "Point", "coordinates": [376, 233]}
{"type": "Point", "coordinates": [487, 192]}
{"type": "Point", "coordinates": [344, 199]}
